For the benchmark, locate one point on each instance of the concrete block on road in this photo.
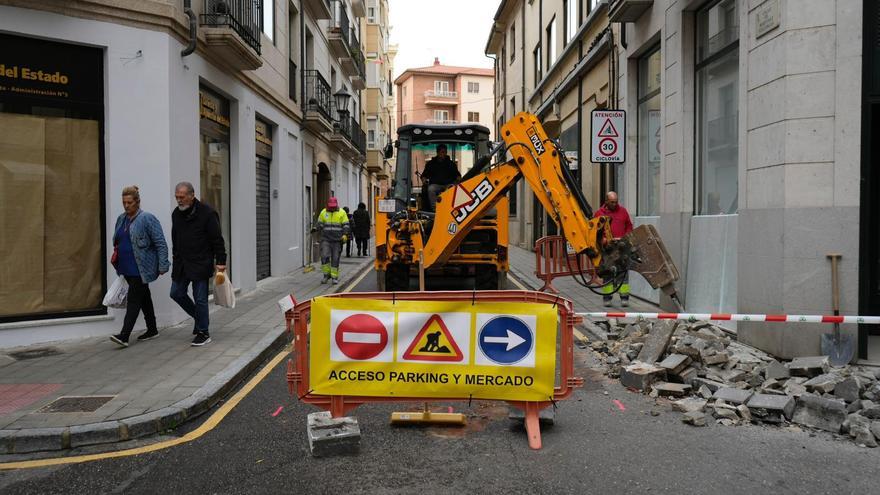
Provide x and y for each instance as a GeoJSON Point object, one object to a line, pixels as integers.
{"type": "Point", "coordinates": [695, 418]}
{"type": "Point", "coordinates": [712, 385]}
{"type": "Point", "coordinates": [95, 433]}
{"type": "Point", "coordinates": [776, 371]}
{"type": "Point", "coordinates": [848, 389]}
{"type": "Point", "coordinates": [819, 412]}
{"type": "Point", "coordinates": [808, 366]}
{"type": "Point", "coordinates": [657, 341]}
{"type": "Point", "coordinates": [822, 384]}
{"type": "Point", "coordinates": [733, 395]}
{"type": "Point", "coordinates": [332, 436]}
{"type": "Point", "coordinates": [640, 376]}
{"type": "Point", "coordinates": [689, 404]}
{"type": "Point", "coordinates": [771, 408]}
{"type": "Point", "coordinates": [675, 363]}
{"type": "Point", "coordinates": [671, 389]}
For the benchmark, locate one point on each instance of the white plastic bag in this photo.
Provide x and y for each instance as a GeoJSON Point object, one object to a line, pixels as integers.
{"type": "Point", "coordinates": [117, 294]}
{"type": "Point", "coordinates": [224, 293]}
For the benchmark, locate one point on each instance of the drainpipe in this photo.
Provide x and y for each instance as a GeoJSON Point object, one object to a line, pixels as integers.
{"type": "Point", "coordinates": [191, 46]}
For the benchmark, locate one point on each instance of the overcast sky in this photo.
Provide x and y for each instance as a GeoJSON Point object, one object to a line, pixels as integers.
{"type": "Point", "coordinates": [454, 30]}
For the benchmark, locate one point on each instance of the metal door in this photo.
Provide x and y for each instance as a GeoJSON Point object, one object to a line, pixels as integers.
{"type": "Point", "coordinates": [264, 229]}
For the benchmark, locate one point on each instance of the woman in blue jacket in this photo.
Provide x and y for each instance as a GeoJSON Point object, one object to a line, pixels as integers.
{"type": "Point", "coordinates": [141, 256]}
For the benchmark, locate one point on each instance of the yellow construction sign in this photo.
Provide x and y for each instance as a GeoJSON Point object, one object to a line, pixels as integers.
{"type": "Point", "coordinates": [435, 349]}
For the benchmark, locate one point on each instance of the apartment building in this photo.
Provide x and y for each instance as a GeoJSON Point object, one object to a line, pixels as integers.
{"type": "Point", "coordinates": [378, 98]}
{"type": "Point", "coordinates": [257, 103]}
{"type": "Point", "coordinates": [553, 59]}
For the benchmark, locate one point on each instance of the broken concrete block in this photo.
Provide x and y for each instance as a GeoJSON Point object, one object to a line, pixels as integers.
{"type": "Point", "coordinates": [332, 436]}
{"type": "Point", "coordinates": [705, 392]}
{"type": "Point", "coordinates": [771, 408]}
{"type": "Point", "coordinates": [657, 341]}
{"type": "Point", "coordinates": [695, 418]}
{"type": "Point", "coordinates": [675, 363]}
{"type": "Point", "coordinates": [872, 412]}
{"type": "Point", "coordinates": [686, 376]}
{"type": "Point", "coordinates": [808, 366]}
{"type": "Point", "coordinates": [859, 428]}
{"type": "Point", "coordinates": [734, 375]}
{"type": "Point", "coordinates": [689, 404]}
{"type": "Point", "coordinates": [776, 371]}
{"type": "Point", "coordinates": [640, 376]}
{"type": "Point", "coordinates": [712, 385]}
{"type": "Point", "coordinates": [690, 352]}
{"type": "Point", "coordinates": [771, 383]}
{"type": "Point", "coordinates": [727, 422]}
{"type": "Point", "coordinates": [672, 389]}
{"type": "Point", "coordinates": [795, 389]}
{"type": "Point", "coordinates": [744, 412]}
{"type": "Point", "coordinates": [875, 429]}
{"type": "Point", "coordinates": [724, 411]}
{"type": "Point", "coordinates": [733, 395]}
{"type": "Point", "coordinates": [717, 358]}
{"type": "Point", "coordinates": [854, 406]}
{"type": "Point", "coordinates": [848, 389]}
{"type": "Point", "coordinates": [822, 384]}
{"type": "Point", "coordinates": [819, 412]}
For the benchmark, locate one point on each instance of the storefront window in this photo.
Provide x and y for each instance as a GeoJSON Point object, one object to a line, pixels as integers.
{"type": "Point", "coordinates": [650, 132]}
{"type": "Point", "coordinates": [214, 172]}
{"type": "Point", "coordinates": [717, 108]}
{"type": "Point", "coordinates": [51, 214]}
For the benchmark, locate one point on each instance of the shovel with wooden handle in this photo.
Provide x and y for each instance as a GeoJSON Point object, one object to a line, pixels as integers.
{"type": "Point", "coordinates": [839, 348]}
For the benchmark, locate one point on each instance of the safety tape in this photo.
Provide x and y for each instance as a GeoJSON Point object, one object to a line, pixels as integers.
{"type": "Point", "coordinates": [868, 320]}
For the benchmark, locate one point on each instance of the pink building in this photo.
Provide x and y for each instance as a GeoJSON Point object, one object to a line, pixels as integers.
{"type": "Point", "coordinates": [445, 94]}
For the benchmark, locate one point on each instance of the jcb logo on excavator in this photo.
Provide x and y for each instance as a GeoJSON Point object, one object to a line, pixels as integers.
{"type": "Point", "coordinates": [481, 192]}
{"type": "Point", "coordinates": [536, 140]}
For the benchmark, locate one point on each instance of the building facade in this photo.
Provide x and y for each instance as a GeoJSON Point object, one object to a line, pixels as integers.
{"type": "Point", "coordinates": [97, 95]}
{"type": "Point", "coordinates": [553, 59]}
{"type": "Point", "coordinates": [378, 98]}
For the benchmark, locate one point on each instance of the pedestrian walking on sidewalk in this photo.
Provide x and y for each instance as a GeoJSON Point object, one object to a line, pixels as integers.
{"type": "Point", "coordinates": [347, 243]}
{"type": "Point", "coordinates": [334, 230]}
{"type": "Point", "coordinates": [361, 228]}
{"type": "Point", "coordinates": [141, 255]}
{"type": "Point", "coordinates": [197, 248]}
{"type": "Point", "coordinates": [621, 224]}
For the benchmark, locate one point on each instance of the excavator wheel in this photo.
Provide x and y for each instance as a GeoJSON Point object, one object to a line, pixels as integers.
{"type": "Point", "coordinates": [396, 278]}
{"type": "Point", "coordinates": [485, 277]}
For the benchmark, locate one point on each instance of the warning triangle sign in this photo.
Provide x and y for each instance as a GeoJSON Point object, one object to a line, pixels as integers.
{"type": "Point", "coordinates": [461, 198]}
{"type": "Point", "coordinates": [608, 129]}
{"type": "Point", "coordinates": [434, 342]}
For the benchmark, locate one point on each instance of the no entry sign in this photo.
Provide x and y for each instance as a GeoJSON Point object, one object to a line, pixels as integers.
{"type": "Point", "coordinates": [359, 336]}
{"type": "Point", "coordinates": [608, 136]}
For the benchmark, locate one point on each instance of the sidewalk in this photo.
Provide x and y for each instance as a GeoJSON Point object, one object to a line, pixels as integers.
{"type": "Point", "coordinates": [148, 387]}
{"type": "Point", "coordinates": [522, 266]}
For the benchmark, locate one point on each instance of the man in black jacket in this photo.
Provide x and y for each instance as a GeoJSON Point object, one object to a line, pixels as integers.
{"type": "Point", "coordinates": [197, 245]}
{"type": "Point", "coordinates": [439, 173]}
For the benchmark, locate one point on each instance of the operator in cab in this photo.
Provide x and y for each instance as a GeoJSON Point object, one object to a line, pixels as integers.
{"type": "Point", "coordinates": [440, 172]}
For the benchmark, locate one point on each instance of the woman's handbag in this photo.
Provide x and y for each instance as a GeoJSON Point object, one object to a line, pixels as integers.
{"type": "Point", "coordinates": [117, 294]}
{"type": "Point", "coordinates": [224, 293]}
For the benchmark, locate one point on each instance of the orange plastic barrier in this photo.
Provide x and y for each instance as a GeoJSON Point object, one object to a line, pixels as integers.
{"type": "Point", "coordinates": [552, 260]}
{"type": "Point", "coordinates": [298, 365]}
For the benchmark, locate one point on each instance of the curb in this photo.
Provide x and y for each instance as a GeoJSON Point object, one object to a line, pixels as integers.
{"type": "Point", "coordinates": [32, 440]}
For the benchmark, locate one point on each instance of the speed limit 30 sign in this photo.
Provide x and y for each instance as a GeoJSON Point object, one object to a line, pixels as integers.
{"type": "Point", "coordinates": [608, 136]}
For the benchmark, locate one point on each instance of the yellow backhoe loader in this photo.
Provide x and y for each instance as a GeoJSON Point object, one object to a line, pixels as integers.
{"type": "Point", "coordinates": [465, 234]}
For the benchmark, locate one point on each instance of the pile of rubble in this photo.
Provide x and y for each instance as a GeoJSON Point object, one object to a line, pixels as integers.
{"type": "Point", "coordinates": [710, 376]}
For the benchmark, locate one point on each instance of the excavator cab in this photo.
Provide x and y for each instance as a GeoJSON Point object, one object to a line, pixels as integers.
{"type": "Point", "coordinates": [482, 255]}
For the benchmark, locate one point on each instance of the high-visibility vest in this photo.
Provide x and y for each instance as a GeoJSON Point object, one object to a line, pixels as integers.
{"type": "Point", "coordinates": [333, 224]}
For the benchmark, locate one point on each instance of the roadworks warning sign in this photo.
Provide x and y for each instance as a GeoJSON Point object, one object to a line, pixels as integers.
{"type": "Point", "coordinates": [435, 349]}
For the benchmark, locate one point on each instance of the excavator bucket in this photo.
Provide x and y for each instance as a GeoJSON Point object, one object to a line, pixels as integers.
{"type": "Point", "coordinates": [652, 260]}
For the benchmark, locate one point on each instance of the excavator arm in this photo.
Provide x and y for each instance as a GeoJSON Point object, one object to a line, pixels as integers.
{"type": "Point", "coordinates": [537, 159]}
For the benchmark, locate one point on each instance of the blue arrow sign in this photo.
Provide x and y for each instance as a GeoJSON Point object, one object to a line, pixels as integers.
{"type": "Point", "coordinates": [506, 340]}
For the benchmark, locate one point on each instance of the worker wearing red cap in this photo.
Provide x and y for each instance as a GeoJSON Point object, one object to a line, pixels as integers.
{"type": "Point", "coordinates": [334, 229]}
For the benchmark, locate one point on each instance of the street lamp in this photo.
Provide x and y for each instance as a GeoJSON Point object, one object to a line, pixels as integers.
{"type": "Point", "coordinates": [342, 97]}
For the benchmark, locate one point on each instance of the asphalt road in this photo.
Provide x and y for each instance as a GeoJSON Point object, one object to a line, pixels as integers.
{"type": "Point", "coordinates": [594, 447]}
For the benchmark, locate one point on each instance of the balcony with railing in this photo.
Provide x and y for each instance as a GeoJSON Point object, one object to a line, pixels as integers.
{"type": "Point", "coordinates": [441, 121]}
{"type": "Point", "coordinates": [231, 29]}
{"type": "Point", "coordinates": [441, 97]}
{"type": "Point", "coordinates": [344, 45]}
{"type": "Point", "coordinates": [321, 9]}
{"type": "Point", "coordinates": [317, 106]}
